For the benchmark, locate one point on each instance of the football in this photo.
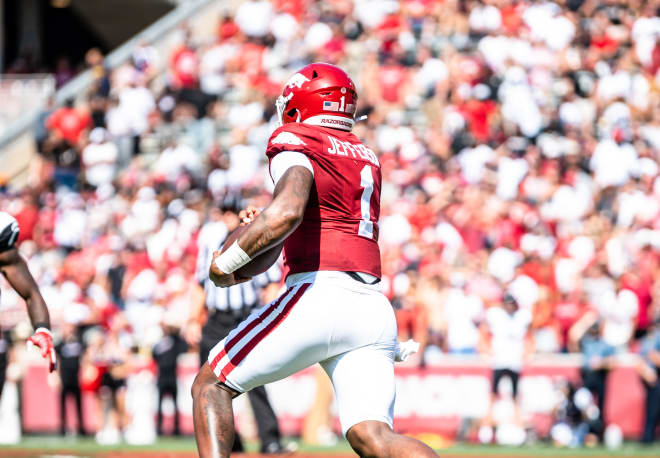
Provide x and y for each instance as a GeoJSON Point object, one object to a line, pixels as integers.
{"type": "Point", "coordinates": [258, 265]}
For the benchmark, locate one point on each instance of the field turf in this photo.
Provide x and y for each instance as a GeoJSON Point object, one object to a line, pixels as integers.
{"type": "Point", "coordinates": [49, 446]}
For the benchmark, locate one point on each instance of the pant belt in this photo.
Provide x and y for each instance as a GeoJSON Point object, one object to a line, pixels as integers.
{"type": "Point", "coordinates": [356, 276]}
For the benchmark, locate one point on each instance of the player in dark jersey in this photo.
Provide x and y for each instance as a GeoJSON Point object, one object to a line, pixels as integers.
{"type": "Point", "coordinates": [16, 271]}
{"type": "Point", "coordinates": [325, 213]}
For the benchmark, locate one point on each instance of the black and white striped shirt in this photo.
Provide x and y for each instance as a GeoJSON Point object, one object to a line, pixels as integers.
{"type": "Point", "coordinates": [235, 298]}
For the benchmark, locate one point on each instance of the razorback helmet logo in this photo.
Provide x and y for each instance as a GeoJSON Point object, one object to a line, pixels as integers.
{"type": "Point", "coordinates": [319, 94]}
{"type": "Point", "coordinates": [296, 80]}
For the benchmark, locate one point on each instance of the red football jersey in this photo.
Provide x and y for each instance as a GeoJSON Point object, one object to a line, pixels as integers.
{"type": "Point", "coordinates": [340, 228]}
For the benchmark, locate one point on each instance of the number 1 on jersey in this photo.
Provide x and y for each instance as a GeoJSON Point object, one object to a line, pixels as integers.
{"type": "Point", "coordinates": [367, 182]}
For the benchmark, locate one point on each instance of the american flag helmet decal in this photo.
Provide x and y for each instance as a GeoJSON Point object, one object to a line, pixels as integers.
{"type": "Point", "coordinates": [330, 106]}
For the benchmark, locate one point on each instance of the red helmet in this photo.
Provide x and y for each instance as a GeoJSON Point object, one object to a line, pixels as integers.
{"type": "Point", "coordinates": [319, 94]}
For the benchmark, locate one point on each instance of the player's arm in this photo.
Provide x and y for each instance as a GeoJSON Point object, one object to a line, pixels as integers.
{"type": "Point", "coordinates": [246, 216]}
{"type": "Point", "coordinates": [15, 269]}
{"type": "Point", "coordinates": [270, 227]}
{"type": "Point", "coordinates": [279, 219]}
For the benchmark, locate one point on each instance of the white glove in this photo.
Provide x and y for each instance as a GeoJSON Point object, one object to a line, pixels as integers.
{"type": "Point", "coordinates": [403, 350]}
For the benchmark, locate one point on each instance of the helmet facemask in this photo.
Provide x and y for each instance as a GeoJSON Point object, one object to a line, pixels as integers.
{"type": "Point", "coordinates": [280, 105]}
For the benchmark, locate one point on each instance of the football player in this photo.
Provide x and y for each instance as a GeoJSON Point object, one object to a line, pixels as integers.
{"type": "Point", "coordinates": [325, 212]}
{"type": "Point", "coordinates": [15, 270]}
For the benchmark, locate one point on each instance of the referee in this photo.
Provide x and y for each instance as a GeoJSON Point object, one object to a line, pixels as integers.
{"type": "Point", "coordinates": [226, 308]}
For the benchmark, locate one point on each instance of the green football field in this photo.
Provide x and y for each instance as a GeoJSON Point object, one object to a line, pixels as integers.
{"type": "Point", "coordinates": [49, 446]}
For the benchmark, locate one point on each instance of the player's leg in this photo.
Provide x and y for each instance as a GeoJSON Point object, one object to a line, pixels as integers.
{"type": "Point", "coordinates": [212, 414]}
{"type": "Point", "coordinates": [275, 341]}
{"type": "Point", "coordinates": [210, 329]}
{"type": "Point", "coordinates": [363, 380]}
{"type": "Point", "coordinates": [376, 439]}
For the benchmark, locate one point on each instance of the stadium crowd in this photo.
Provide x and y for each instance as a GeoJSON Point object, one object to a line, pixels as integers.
{"type": "Point", "coordinates": [518, 142]}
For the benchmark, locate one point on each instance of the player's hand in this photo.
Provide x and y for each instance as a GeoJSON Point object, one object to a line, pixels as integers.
{"type": "Point", "coordinates": [221, 279]}
{"type": "Point", "coordinates": [403, 350]}
{"type": "Point", "coordinates": [248, 214]}
{"type": "Point", "coordinates": [43, 339]}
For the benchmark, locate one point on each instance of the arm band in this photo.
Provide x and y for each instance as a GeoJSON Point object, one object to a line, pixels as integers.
{"type": "Point", "coordinates": [232, 259]}
{"type": "Point", "coordinates": [43, 331]}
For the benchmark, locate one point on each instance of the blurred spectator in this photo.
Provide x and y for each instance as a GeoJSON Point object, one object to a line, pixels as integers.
{"type": "Point", "coordinates": [63, 71]}
{"type": "Point", "coordinates": [99, 158]}
{"type": "Point", "coordinates": [650, 373]}
{"type": "Point", "coordinates": [69, 352]}
{"type": "Point", "coordinates": [145, 58]}
{"type": "Point", "coordinates": [508, 326]}
{"type": "Point", "coordinates": [411, 316]}
{"type": "Point", "coordinates": [136, 103]}
{"type": "Point", "coordinates": [101, 85]}
{"type": "Point", "coordinates": [184, 65]}
{"type": "Point", "coordinates": [109, 356]}
{"type": "Point", "coordinates": [598, 359]}
{"type": "Point", "coordinates": [576, 418]}
{"type": "Point", "coordinates": [166, 354]}
{"type": "Point", "coordinates": [68, 127]}
{"type": "Point", "coordinates": [69, 124]}
{"type": "Point", "coordinates": [463, 314]}
{"type": "Point", "coordinates": [41, 132]}
{"type": "Point", "coordinates": [253, 17]}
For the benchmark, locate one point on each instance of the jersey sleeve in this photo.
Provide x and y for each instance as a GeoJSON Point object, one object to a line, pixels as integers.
{"type": "Point", "coordinates": [284, 161]}
{"type": "Point", "coordinates": [288, 139]}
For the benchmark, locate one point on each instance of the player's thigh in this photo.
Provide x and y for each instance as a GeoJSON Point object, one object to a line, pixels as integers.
{"type": "Point", "coordinates": [275, 341]}
{"type": "Point", "coordinates": [362, 318]}
{"type": "Point", "coordinates": [363, 380]}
